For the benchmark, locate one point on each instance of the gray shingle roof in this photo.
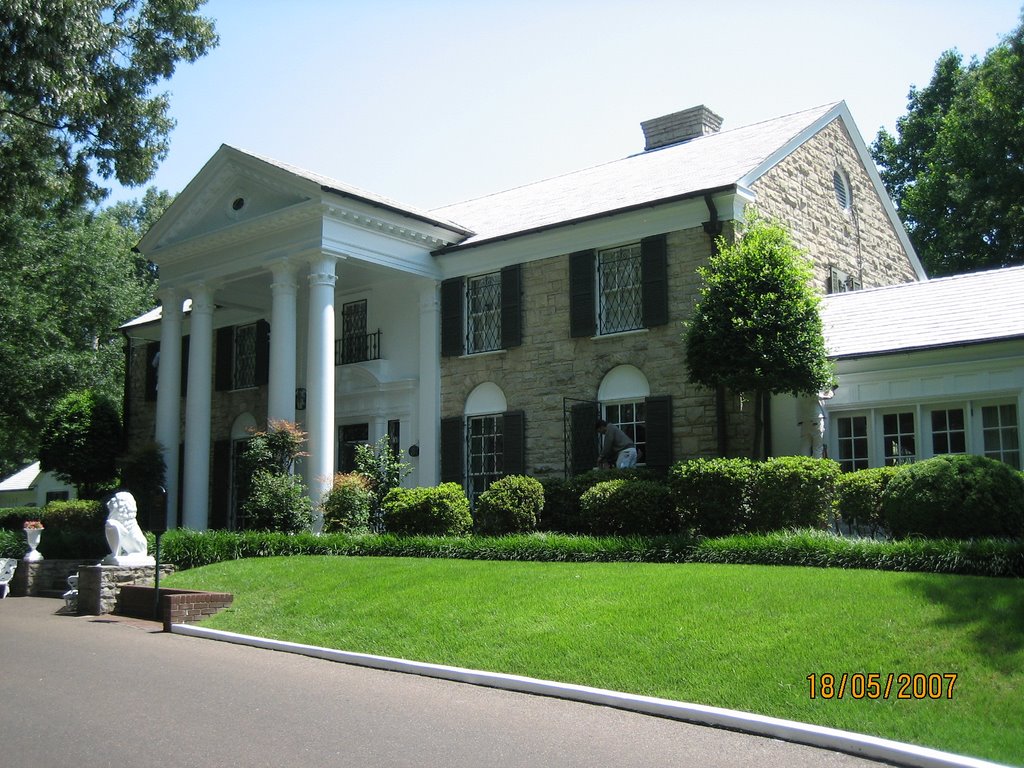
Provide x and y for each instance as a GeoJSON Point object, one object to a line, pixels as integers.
{"type": "Point", "coordinates": [949, 311]}
{"type": "Point", "coordinates": [710, 162]}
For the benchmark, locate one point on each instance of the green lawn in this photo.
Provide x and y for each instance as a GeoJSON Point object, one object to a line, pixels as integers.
{"type": "Point", "coordinates": [742, 637]}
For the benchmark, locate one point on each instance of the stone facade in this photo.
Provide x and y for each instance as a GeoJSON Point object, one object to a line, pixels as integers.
{"type": "Point", "coordinates": [550, 365]}
{"type": "Point", "coordinates": [860, 241]}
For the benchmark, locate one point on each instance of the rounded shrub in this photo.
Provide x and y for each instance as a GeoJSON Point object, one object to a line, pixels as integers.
{"type": "Point", "coordinates": [510, 505]}
{"type": "Point", "coordinates": [956, 496]}
{"type": "Point", "coordinates": [439, 511]}
{"type": "Point", "coordinates": [711, 494]}
{"type": "Point", "coordinates": [74, 515]}
{"type": "Point", "coordinates": [277, 502]}
{"type": "Point", "coordinates": [858, 499]}
{"type": "Point", "coordinates": [629, 506]}
{"type": "Point", "coordinates": [561, 512]}
{"type": "Point", "coordinates": [346, 507]}
{"type": "Point", "coordinates": [792, 492]}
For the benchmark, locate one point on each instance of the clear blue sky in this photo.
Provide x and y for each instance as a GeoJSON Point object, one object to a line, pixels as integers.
{"type": "Point", "coordinates": [432, 102]}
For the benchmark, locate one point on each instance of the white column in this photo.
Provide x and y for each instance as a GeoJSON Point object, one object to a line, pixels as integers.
{"type": "Point", "coordinates": [429, 418]}
{"type": "Point", "coordinates": [320, 382]}
{"type": "Point", "coordinates": [281, 394]}
{"type": "Point", "coordinates": [197, 410]}
{"type": "Point", "coordinates": [168, 396]}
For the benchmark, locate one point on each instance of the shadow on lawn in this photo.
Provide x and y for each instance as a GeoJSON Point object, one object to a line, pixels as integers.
{"type": "Point", "coordinates": [992, 611]}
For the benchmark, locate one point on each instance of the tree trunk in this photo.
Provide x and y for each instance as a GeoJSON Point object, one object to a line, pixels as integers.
{"type": "Point", "coordinates": [756, 452]}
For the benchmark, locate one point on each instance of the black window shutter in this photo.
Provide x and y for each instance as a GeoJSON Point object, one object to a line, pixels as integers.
{"type": "Point", "coordinates": [584, 436]}
{"type": "Point", "coordinates": [152, 350]}
{"type": "Point", "coordinates": [513, 435]}
{"type": "Point", "coordinates": [221, 497]}
{"type": "Point", "coordinates": [511, 306]}
{"type": "Point", "coordinates": [184, 364]}
{"type": "Point", "coordinates": [225, 361]}
{"type": "Point", "coordinates": [582, 306]}
{"type": "Point", "coordinates": [452, 327]}
{"type": "Point", "coordinates": [654, 280]}
{"type": "Point", "coordinates": [452, 448]}
{"type": "Point", "coordinates": [659, 432]}
{"type": "Point", "coordinates": [262, 352]}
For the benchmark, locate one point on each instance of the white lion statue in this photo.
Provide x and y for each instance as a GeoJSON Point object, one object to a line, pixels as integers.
{"type": "Point", "coordinates": [124, 536]}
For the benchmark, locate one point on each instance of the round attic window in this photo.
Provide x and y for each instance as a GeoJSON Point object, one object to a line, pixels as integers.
{"type": "Point", "coordinates": [841, 184]}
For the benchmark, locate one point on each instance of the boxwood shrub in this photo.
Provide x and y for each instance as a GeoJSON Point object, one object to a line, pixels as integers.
{"type": "Point", "coordinates": [711, 495]}
{"type": "Point", "coordinates": [955, 496]}
{"type": "Point", "coordinates": [510, 505]}
{"type": "Point", "coordinates": [792, 492]}
{"type": "Point", "coordinates": [442, 510]}
{"type": "Point", "coordinates": [627, 506]}
{"type": "Point", "coordinates": [858, 498]}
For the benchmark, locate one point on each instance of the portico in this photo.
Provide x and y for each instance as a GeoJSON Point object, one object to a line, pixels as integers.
{"type": "Point", "coordinates": [256, 261]}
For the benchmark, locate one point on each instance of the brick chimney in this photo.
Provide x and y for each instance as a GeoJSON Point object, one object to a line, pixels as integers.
{"type": "Point", "coordinates": [680, 126]}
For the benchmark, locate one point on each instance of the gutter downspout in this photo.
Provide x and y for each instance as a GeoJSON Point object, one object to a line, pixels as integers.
{"type": "Point", "coordinates": [713, 229]}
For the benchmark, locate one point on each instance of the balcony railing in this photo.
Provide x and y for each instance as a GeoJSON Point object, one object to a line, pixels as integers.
{"type": "Point", "coordinates": [357, 349]}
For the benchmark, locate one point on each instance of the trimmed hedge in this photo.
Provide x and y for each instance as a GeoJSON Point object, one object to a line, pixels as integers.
{"type": "Point", "coordinates": [628, 506]}
{"type": "Point", "coordinates": [792, 492]}
{"type": "Point", "coordinates": [859, 497]}
{"type": "Point", "coordinates": [985, 557]}
{"type": "Point", "coordinates": [511, 505]}
{"type": "Point", "coordinates": [955, 496]}
{"type": "Point", "coordinates": [441, 510]}
{"type": "Point", "coordinates": [711, 495]}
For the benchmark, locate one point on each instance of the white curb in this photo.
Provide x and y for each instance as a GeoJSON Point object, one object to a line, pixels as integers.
{"type": "Point", "coordinates": [787, 730]}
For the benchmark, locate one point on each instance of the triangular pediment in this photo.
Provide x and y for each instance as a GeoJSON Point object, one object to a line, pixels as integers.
{"type": "Point", "coordinates": [232, 189]}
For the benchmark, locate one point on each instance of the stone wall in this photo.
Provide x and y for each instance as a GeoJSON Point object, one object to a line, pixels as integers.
{"type": "Point", "coordinates": [99, 585]}
{"type": "Point", "coordinates": [860, 241]}
{"type": "Point", "coordinates": [43, 578]}
{"type": "Point", "coordinates": [550, 365]}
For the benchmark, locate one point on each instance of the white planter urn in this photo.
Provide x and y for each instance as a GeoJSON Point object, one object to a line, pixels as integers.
{"type": "Point", "coordinates": [33, 535]}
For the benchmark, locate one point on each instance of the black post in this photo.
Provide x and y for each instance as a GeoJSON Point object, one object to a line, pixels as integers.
{"type": "Point", "coordinates": [159, 526]}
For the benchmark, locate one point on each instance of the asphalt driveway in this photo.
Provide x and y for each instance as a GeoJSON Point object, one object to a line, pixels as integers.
{"type": "Point", "coordinates": [99, 691]}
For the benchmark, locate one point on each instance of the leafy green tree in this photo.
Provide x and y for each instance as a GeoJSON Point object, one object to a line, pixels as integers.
{"type": "Point", "coordinates": [955, 167]}
{"type": "Point", "coordinates": [756, 328]}
{"type": "Point", "coordinates": [275, 499]}
{"type": "Point", "coordinates": [68, 282]}
{"type": "Point", "coordinates": [77, 99]}
{"type": "Point", "coordinates": [384, 469]}
{"type": "Point", "coordinates": [80, 442]}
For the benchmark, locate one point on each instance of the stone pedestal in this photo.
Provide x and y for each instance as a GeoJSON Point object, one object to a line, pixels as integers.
{"type": "Point", "coordinates": [98, 585]}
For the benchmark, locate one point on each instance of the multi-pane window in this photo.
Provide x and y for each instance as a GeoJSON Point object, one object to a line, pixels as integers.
{"type": "Point", "coordinates": [899, 445]}
{"type": "Point", "coordinates": [620, 289]}
{"type": "Point", "coordinates": [486, 452]}
{"type": "Point", "coordinates": [1000, 436]}
{"type": "Point", "coordinates": [631, 419]}
{"type": "Point", "coordinates": [354, 346]}
{"type": "Point", "coordinates": [244, 368]}
{"type": "Point", "coordinates": [949, 432]}
{"type": "Point", "coordinates": [483, 315]}
{"type": "Point", "coordinates": [852, 440]}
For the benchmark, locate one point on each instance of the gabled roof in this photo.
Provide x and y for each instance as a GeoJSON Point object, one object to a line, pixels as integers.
{"type": "Point", "coordinates": [945, 312]}
{"type": "Point", "coordinates": [726, 159]}
{"type": "Point", "coordinates": [22, 480]}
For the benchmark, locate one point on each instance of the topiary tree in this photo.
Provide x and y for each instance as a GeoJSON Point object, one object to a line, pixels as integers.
{"type": "Point", "coordinates": [511, 505]}
{"type": "Point", "coordinates": [80, 442]}
{"type": "Point", "coordinates": [955, 496]}
{"type": "Point", "coordinates": [756, 328]}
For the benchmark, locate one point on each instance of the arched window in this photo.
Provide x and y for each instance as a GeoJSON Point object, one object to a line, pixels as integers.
{"type": "Point", "coordinates": [622, 398]}
{"type": "Point", "coordinates": [485, 431]}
